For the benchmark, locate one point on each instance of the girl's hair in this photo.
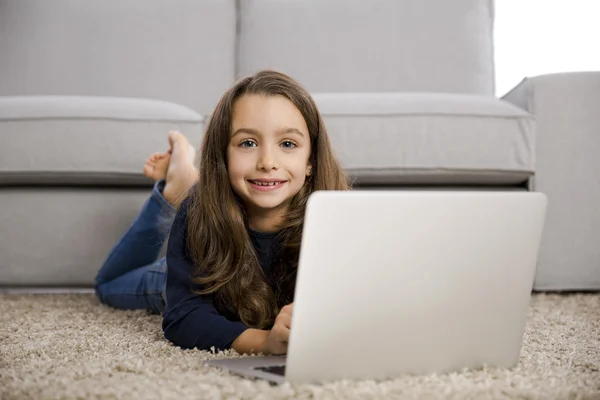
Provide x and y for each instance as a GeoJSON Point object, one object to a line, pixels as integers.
{"type": "Point", "coordinates": [217, 237]}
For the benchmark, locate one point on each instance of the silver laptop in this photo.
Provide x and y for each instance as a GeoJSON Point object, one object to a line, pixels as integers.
{"type": "Point", "coordinates": [408, 282]}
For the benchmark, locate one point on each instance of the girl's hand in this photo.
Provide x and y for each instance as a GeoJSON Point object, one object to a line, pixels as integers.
{"type": "Point", "coordinates": [279, 335]}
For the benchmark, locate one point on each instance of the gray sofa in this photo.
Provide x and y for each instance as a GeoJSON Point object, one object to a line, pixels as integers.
{"type": "Point", "coordinates": [406, 88]}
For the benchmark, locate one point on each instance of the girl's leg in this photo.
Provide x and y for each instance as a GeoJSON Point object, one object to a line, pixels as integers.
{"type": "Point", "coordinates": [141, 288]}
{"type": "Point", "coordinates": [131, 277]}
{"type": "Point", "coordinates": [142, 242]}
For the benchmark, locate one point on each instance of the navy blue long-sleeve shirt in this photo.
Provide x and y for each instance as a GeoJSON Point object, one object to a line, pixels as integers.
{"type": "Point", "coordinates": [191, 320]}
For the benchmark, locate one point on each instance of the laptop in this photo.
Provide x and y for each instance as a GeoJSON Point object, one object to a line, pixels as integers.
{"type": "Point", "coordinates": [408, 282]}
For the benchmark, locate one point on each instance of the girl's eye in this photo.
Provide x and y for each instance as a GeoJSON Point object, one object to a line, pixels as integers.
{"type": "Point", "coordinates": [247, 143]}
{"type": "Point", "coordinates": [288, 144]}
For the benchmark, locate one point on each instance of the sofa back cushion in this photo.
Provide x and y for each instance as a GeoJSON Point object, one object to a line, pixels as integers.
{"type": "Point", "coordinates": [371, 46]}
{"type": "Point", "coordinates": [179, 51]}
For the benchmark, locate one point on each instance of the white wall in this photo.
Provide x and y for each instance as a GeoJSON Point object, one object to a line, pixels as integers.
{"type": "Point", "coordinates": [534, 37]}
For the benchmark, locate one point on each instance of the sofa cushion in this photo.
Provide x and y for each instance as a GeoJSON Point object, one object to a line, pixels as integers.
{"type": "Point", "coordinates": [179, 51]}
{"type": "Point", "coordinates": [374, 46]}
{"type": "Point", "coordinates": [86, 140]}
{"type": "Point", "coordinates": [426, 138]}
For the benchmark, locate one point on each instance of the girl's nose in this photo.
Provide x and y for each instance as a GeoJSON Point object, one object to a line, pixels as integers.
{"type": "Point", "coordinates": [267, 160]}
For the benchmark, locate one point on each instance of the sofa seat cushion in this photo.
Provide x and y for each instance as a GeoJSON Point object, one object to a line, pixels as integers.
{"type": "Point", "coordinates": [429, 138]}
{"type": "Point", "coordinates": [76, 140]}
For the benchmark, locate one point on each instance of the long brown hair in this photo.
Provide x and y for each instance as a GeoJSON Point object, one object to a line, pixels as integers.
{"type": "Point", "coordinates": [217, 237]}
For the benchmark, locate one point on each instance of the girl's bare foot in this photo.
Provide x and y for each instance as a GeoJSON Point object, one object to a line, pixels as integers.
{"type": "Point", "coordinates": [156, 166]}
{"type": "Point", "coordinates": [182, 172]}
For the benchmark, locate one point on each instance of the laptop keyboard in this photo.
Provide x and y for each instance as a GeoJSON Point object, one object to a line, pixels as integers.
{"type": "Point", "coordinates": [274, 369]}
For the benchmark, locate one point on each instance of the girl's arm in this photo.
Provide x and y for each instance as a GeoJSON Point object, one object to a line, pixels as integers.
{"type": "Point", "coordinates": [191, 320]}
{"type": "Point", "coordinates": [274, 341]}
{"type": "Point", "coordinates": [251, 341]}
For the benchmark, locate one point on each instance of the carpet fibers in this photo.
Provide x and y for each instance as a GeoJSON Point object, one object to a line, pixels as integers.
{"type": "Point", "coordinates": [69, 346]}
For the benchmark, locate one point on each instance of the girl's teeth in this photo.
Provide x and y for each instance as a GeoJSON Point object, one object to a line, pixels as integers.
{"type": "Point", "coordinates": [267, 183]}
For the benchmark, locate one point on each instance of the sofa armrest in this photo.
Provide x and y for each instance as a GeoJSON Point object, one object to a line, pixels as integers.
{"type": "Point", "coordinates": [566, 108]}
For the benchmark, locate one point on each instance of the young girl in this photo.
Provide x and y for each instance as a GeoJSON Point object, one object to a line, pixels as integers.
{"type": "Point", "coordinates": [234, 244]}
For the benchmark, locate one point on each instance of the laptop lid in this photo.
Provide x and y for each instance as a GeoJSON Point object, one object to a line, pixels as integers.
{"type": "Point", "coordinates": [395, 282]}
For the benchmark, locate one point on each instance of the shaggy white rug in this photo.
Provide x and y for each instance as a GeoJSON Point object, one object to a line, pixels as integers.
{"type": "Point", "coordinates": [67, 346]}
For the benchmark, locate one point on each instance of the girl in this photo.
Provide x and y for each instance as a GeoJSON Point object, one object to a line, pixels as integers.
{"type": "Point", "coordinates": [234, 243]}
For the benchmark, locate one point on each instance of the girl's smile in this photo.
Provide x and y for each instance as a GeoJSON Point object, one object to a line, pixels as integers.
{"type": "Point", "coordinates": [266, 185]}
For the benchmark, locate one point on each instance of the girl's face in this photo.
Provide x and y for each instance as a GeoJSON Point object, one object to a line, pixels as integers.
{"type": "Point", "coordinates": [268, 153]}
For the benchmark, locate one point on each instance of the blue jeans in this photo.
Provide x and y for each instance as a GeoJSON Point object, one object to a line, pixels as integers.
{"type": "Point", "coordinates": [133, 277]}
